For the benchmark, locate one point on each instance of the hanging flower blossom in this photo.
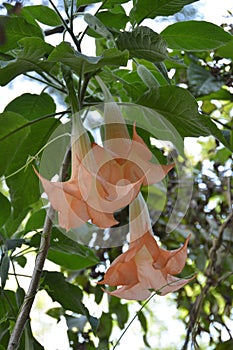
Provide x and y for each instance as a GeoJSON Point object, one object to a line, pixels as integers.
{"type": "Point", "coordinates": [145, 266]}
{"type": "Point", "coordinates": [66, 197]}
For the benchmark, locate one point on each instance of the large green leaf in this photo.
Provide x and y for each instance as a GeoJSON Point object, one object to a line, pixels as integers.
{"type": "Point", "coordinates": [67, 294]}
{"type": "Point", "coordinates": [32, 106]}
{"type": "Point", "coordinates": [29, 59]}
{"type": "Point", "coordinates": [201, 81]}
{"type": "Point", "coordinates": [107, 2]}
{"type": "Point", "coordinates": [23, 186]}
{"type": "Point", "coordinates": [17, 28]}
{"type": "Point", "coordinates": [9, 140]}
{"type": "Point", "coordinates": [115, 20]}
{"type": "Point", "coordinates": [143, 42]}
{"type": "Point", "coordinates": [195, 36]}
{"type": "Point", "coordinates": [226, 51]}
{"type": "Point", "coordinates": [24, 190]}
{"type": "Point", "coordinates": [5, 209]}
{"type": "Point", "coordinates": [180, 108]}
{"type": "Point", "coordinates": [42, 13]}
{"type": "Point", "coordinates": [66, 252]}
{"type": "Point", "coordinates": [152, 8]}
{"type": "Point", "coordinates": [65, 54]}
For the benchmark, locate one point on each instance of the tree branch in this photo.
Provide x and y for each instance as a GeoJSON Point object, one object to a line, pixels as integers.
{"type": "Point", "coordinates": [25, 310]}
{"type": "Point", "coordinates": [210, 273]}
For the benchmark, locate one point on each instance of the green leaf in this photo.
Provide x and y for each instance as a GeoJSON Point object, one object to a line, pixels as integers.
{"type": "Point", "coordinates": [195, 36]}
{"type": "Point", "coordinates": [10, 141]}
{"type": "Point", "coordinates": [143, 42]}
{"type": "Point", "coordinates": [8, 310]}
{"type": "Point", "coordinates": [226, 51]}
{"type": "Point", "coordinates": [222, 95]}
{"type": "Point", "coordinates": [65, 54]}
{"type": "Point", "coordinates": [24, 190]}
{"type": "Point", "coordinates": [42, 13]}
{"type": "Point", "coordinates": [105, 326]}
{"type": "Point", "coordinates": [22, 183]}
{"type": "Point", "coordinates": [29, 59]}
{"type": "Point", "coordinates": [66, 252]}
{"type": "Point", "coordinates": [201, 81]}
{"type": "Point", "coordinates": [152, 8]}
{"type": "Point", "coordinates": [67, 294]}
{"type": "Point", "coordinates": [143, 321]}
{"type": "Point", "coordinates": [112, 19]}
{"type": "Point", "coordinates": [180, 108]}
{"type": "Point", "coordinates": [55, 312]}
{"type": "Point", "coordinates": [4, 268]}
{"type": "Point", "coordinates": [107, 3]}
{"type": "Point", "coordinates": [13, 222]}
{"type": "Point", "coordinates": [35, 221]}
{"type": "Point", "coordinates": [17, 28]}
{"type": "Point", "coordinates": [5, 209]}
{"type": "Point", "coordinates": [226, 345]}
{"type": "Point", "coordinates": [32, 106]}
{"type": "Point", "coordinates": [21, 260]}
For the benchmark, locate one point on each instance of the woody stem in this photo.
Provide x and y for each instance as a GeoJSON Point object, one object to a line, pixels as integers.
{"type": "Point", "coordinates": [25, 310]}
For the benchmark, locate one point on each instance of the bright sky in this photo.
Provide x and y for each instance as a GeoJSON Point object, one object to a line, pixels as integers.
{"type": "Point", "coordinates": [53, 335]}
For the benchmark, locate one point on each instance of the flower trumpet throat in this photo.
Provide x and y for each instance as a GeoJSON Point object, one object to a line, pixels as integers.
{"type": "Point", "coordinates": [145, 266]}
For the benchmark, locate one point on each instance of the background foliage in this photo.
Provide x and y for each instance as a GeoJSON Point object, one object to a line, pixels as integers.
{"type": "Point", "coordinates": [185, 74]}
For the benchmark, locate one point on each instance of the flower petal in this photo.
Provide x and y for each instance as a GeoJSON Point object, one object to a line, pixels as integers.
{"type": "Point", "coordinates": [101, 219]}
{"type": "Point", "coordinates": [174, 284]}
{"type": "Point", "coordinates": [122, 273]}
{"type": "Point", "coordinates": [72, 209]}
{"type": "Point", "coordinates": [177, 259]}
{"type": "Point", "coordinates": [131, 292]}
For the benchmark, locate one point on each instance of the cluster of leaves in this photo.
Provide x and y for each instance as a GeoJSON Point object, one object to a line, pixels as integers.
{"type": "Point", "coordinates": [185, 85]}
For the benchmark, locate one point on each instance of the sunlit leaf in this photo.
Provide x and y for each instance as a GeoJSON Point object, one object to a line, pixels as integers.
{"type": "Point", "coordinates": [195, 36]}
{"type": "Point", "coordinates": [42, 13]}
{"type": "Point", "coordinates": [180, 108]}
{"type": "Point", "coordinates": [152, 8]}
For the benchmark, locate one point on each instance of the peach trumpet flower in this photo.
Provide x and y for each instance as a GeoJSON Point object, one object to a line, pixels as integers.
{"type": "Point", "coordinates": [145, 266]}
{"type": "Point", "coordinates": [66, 197]}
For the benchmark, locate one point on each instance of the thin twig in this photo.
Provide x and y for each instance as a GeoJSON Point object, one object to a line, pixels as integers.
{"type": "Point", "coordinates": [25, 310]}
{"type": "Point", "coordinates": [135, 316]}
